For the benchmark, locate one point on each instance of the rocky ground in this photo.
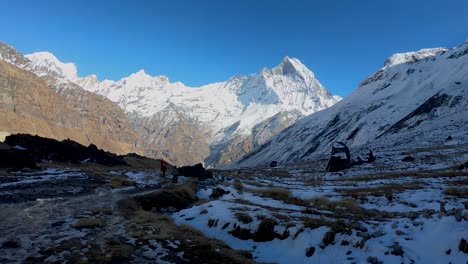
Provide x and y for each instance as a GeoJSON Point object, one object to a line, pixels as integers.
{"type": "Point", "coordinates": [78, 215]}
{"type": "Point", "coordinates": [388, 211]}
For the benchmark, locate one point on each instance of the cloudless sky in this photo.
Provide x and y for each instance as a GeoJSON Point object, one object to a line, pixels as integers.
{"type": "Point", "coordinates": [203, 41]}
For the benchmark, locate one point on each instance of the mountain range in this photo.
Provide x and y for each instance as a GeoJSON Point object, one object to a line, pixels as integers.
{"type": "Point", "coordinates": [281, 114]}
{"type": "Point", "coordinates": [215, 124]}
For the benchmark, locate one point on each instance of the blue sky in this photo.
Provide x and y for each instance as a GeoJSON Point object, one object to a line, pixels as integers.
{"type": "Point", "coordinates": [204, 41]}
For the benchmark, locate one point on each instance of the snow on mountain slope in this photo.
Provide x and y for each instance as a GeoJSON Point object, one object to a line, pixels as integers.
{"type": "Point", "coordinates": [289, 86]}
{"type": "Point", "coordinates": [416, 97]}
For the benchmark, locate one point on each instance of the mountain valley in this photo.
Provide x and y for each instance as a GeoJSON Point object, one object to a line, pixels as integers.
{"type": "Point", "coordinates": [408, 204]}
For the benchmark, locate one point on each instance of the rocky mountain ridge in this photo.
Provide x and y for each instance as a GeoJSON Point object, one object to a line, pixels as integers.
{"type": "Point", "coordinates": [55, 108]}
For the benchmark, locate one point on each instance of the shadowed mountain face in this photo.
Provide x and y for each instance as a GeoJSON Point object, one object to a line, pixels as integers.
{"type": "Point", "coordinates": [173, 135]}
{"type": "Point", "coordinates": [29, 105]}
{"type": "Point", "coordinates": [416, 98]}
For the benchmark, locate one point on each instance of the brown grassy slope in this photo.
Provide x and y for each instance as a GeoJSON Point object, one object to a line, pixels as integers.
{"type": "Point", "coordinates": [28, 105]}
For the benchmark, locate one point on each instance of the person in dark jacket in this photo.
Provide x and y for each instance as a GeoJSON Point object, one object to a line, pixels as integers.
{"type": "Point", "coordinates": [163, 168]}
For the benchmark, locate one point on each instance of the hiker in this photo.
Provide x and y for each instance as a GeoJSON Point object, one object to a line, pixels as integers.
{"type": "Point", "coordinates": [174, 174]}
{"type": "Point", "coordinates": [163, 168]}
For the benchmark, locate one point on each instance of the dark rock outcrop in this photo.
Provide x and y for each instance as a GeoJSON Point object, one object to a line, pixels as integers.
{"type": "Point", "coordinates": [16, 158]}
{"type": "Point", "coordinates": [408, 159]}
{"type": "Point", "coordinates": [218, 192]}
{"type": "Point", "coordinates": [463, 246]}
{"type": "Point", "coordinates": [310, 252]}
{"type": "Point", "coordinates": [340, 158]}
{"type": "Point", "coordinates": [196, 171]}
{"type": "Point", "coordinates": [464, 166]}
{"type": "Point", "coordinates": [69, 151]}
{"type": "Point", "coordinates": [265, 232]}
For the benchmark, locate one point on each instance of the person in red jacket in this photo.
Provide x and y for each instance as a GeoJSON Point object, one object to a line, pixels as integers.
{"type": "Point", "coordinates": [163, 168]}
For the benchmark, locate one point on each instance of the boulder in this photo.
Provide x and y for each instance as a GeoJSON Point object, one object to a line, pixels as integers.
{"type": "Point", "coordinates": [218, 192]}
{"type": "Point", "coordinates": [196, 171]}
{"type": "Point", "coordinates": [408, 159]}
{"type": "Point", "coordinates": [397, 250]}
{"type": "Point", "coordinates": [340, 158]}
{"type": "Point", "coordinates": [310, 252]}
{"type": "Point", "coordinates": [463, 246]}
{"type": "Point", "coordinates": [265, 231]}
{"type": "Point", "coordinates": [328, 238]}
{"type": "Point", "coordinates": [274, 164]}
{"type": "Point", "coordinates": [464, 166]}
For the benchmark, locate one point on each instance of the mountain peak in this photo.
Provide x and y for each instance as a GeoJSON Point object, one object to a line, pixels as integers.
{"type": "Point", "coordinates": [141, 72]}
{"type": "Point", "coordinates": [144, 78]}
{"type": "Point", "coordinates": [291, 66]}
{"type": "Point", "coordinates": [45, 63]}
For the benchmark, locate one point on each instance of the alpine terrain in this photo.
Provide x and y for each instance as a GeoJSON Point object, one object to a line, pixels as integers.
{"type": "Point", "coordinates": [417, 98]}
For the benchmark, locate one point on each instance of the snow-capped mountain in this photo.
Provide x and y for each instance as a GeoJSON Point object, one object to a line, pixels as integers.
{"type": "Point", "coordinates": [416, 97]}
{"type": "Point", "coordinates": [289, 86]}
{"type": "Point", "coordinates": [226, 114]}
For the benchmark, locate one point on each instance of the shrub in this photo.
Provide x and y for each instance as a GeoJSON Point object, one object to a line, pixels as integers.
{"type": "Point", "coordinates": [457, 192]}
{"type": "Point", "coordinates": [88, 223]}
{"type": "Point", "coordinates": [238, 185]}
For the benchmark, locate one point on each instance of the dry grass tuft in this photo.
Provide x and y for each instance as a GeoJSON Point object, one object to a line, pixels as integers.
{"type": "Point", "coordinates": [238, 185]}
{"type": "Point", "coordinates": [439, 173]}
{"type": "Point", "coordinates": [119, 182]}
{"type": "Point", "coordinates": [280, 216]}
{"type": "Point", "coordinates": [385, 190]}
{"type": "Point", "coordinates": [89, 223]}
{"type": "Point", "coordinates": [279, 173]}
{"type": "Point", "coordinates": [276, 193]}
{"type": "Point", "coordinates": [344, 208]}
{"type": "Point", "coordinates": [179, 197]}
{"type": "Point", "coordinates": [457, 192]}
{"type": "Point", "coordinates": [243, 217]}
{"type": "Point", "coordinates": [280, 194]}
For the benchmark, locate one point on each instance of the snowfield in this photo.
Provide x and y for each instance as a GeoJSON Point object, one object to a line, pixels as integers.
{"type": "Point", "coordinates": [394, 211]}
